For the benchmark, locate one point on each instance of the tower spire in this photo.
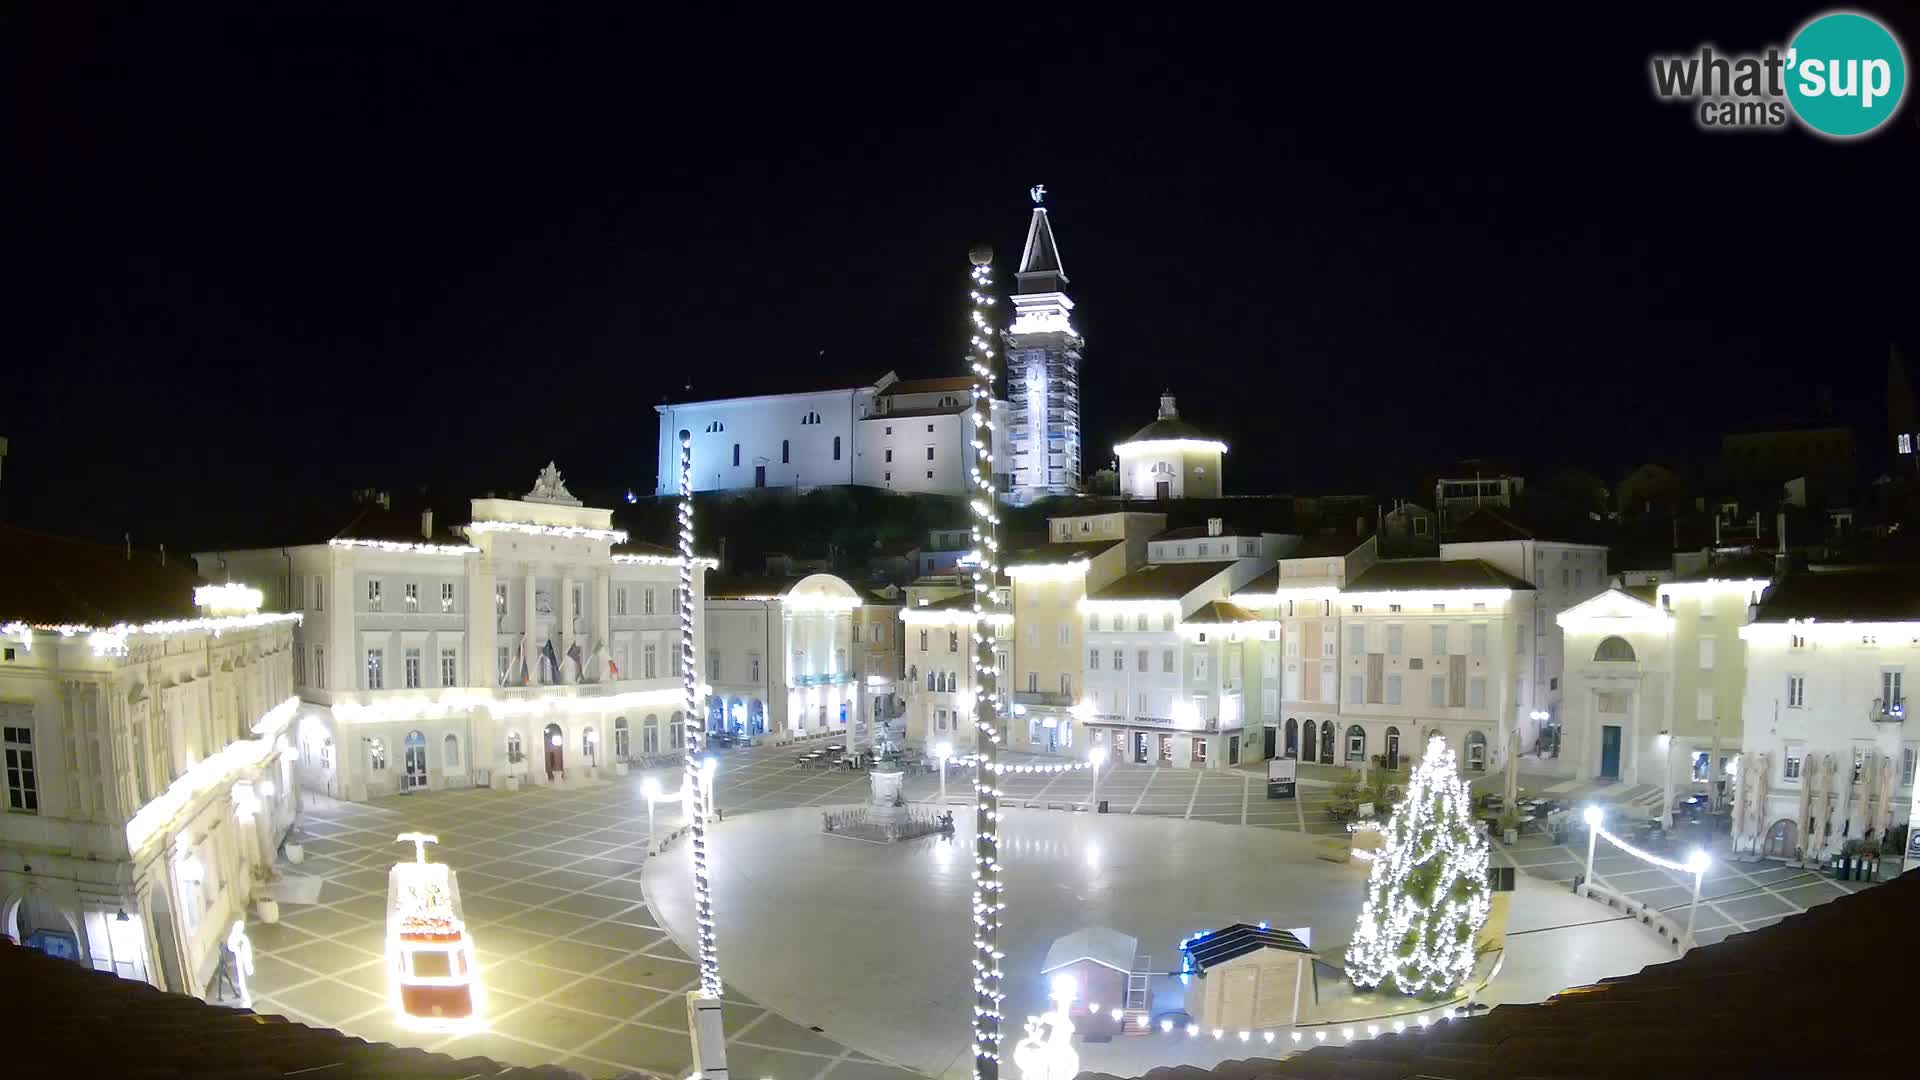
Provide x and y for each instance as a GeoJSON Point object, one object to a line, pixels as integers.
{"type": "Point", "coordinates": [1040, 268]}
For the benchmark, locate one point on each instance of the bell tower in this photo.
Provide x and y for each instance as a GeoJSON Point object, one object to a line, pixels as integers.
{"type": "Point", "coordinates": [1043, 369]}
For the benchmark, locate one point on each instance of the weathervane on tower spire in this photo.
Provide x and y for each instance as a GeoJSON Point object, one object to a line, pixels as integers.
{"type": "Point", "coordinates": [1038, 193]}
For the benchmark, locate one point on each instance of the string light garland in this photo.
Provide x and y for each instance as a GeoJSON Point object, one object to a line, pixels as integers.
{"type": "Point", "coordinates": [582, 532]}
{"type": "Point", "coordinates": [1427, 894]}
{"type": "Point", "coordinates": [989, 899]}
{"type": "Point", "coordinates": [709, 952]}
{"type": "Point", "coordinates": [404, 547]}
{"type": "Point", "coordinates": [112, 640]}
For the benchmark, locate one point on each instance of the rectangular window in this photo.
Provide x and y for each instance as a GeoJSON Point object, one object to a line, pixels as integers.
{"type": "Point", "coordinates": [1539, 621]}
{"type": "Point", "coordinates": [1477, 636]}
{"type": "Point", "coordinates": [1066, 635]}
{"type": "Point", "coordinates": [373, 594]}
{"type": "Point", "coordinates": [449, 667]}
{"type": "Point", "coordinates": [23, 775]}
{"type": "Point", "coordinates": [953, 641]}
{"type": "Point", "coordinates": [376, 661]}
{"type": "Point", "coordinates": [1476, 693]}
{"type": "Point", "coordinates": [1093, 659]}
{"type": "Point", "coordinates": [1327, 684]}
{"type": "Point", "coordinates": [713, 665]}
{"type": "Point", "coordinates": [446, 596]}
{"type": "Point", "coordinates": [1199, 751]}
{"type": "Point", "coordinates": [319, 667]}
{"type": "Point", "coordinates": [1439, 632]}
{"type": "Point", "coordinates": [1166, 661]}
{"type": "Point", "coordinates": [500, 598]}
{"type": "Point", "coordinates": [650, 662]}
{"type": "Point", "coordinates": [1119, 660]}
{"type": "Point", "coordinates": [410, 595]}
{"type": "Point", "coordinates": [502, 661]}
{"type": "Point", "coordinates": [1890, 688]}
{"type": "Point", "coordinates": [923, 641]}
{"type": "Point", "coordinates": [1356, 640]}
{"type": "Point", "coordinates": [1704, 705]}
{"type": "Point", "coordinates": [1796, 691]}
{"type": "Point", "coordinates": [1706, 654]}
{"type": "Point", "coordinates": [319, 593]}
{"type": "Point", "coordinates": [753, 666]}
{"type": "Point", "coordinates": [1066, 685]}
{"type": "Point", "coordinates": [411, 659]}
{"type": "Point", "coordinates": [1791, 757]}
{"type": "Point", "coordinates": [799, 663]}
{"type": "Point", "coordinates": [1356, 689]}
{"type": "Point", "coordinates": [1033, 682]}
{"type": "Point", "coordinates": [1907, 756]}
{"type": "Point", "coordinates": [856, 633]}
{"type": "Point", "coordinates": [1140, 661]}
{"type": "Point", "coordinates": [1293, 647]}
{"type": "Point", "coordinates": [1394, 635]}
{"type": "Point", "coordinates": [1393, 689]}
{"type": "Point", "coordinates": [1437, 691]}
{"type": "Point", "coordinates": [1270, 703]}
{"type": "Point", "coordinates": [646, 601]}
{"type": "Point", "coordinates": [575, 611]}
{"type": "Point", "coordinates": [620, 600]}
{"type": "Point", "coordinates": [1166, 624]}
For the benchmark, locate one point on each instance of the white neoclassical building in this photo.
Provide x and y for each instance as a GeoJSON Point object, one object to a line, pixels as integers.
{"type": "Point", "coordinates": [147, 728]}
{"type": "Point", "coordinates": [1170, 459]}
{"type": "Point", "coordinates": [1826, 708]}
{"type": "Point", "coordinates": [530, 645]}
{"type": "Point", "coordinates": [911, 436]}
{"type": "Point", "coordinates": [780, 657]}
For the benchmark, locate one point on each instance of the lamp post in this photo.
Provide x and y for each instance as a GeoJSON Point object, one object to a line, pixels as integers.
{"type": "Point", "coordinates": [1097, 757]}
{"type": "Point", "coordinates": [1593, 816]}
{"type": "Point", "coordinates": [940, 754]}
{"type": "Point", "coordinates": [650, 791]}
{"type": "Point", "coordinates": [1697, 861]}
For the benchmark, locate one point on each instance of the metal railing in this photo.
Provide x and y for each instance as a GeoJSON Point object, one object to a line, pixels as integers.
{"type": "Point", "coordinates": [1888, 710]}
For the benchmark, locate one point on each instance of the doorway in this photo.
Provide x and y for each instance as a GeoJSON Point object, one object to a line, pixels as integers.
{"type": "Point", "coordinates": [1162, 490]}
{"type": "Point", "coordinates": [1139, 748]}
{"type": "Point", "coordinates": [759, 476]}
{"type": "Point", "coordinates": [415, 757]}
{"type": "Point", "coordinates": [1393, 748]}
{"type": "Point", "coordinates": [1233, 747]}
{"type": "Point", "coordinates": [1293, 737]}
{"type": "Point", "coordinates": [555, 744]}
{"type": "Point", "coordinates": [1271, 738]}
{"type": "Point", "coordinates": [1610, 752]}
{"type": "Point", "coordinates": [1326, 741]}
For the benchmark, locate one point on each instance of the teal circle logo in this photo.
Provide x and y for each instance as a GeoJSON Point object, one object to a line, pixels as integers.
{"type": "Point", "coordinates": [1845, 74]}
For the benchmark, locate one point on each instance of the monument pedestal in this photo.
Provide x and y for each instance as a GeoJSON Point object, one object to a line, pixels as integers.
{"type": "Point", "coordinates": [885, 807]}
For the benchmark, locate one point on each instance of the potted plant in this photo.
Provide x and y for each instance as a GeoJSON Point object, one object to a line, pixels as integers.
{"type": "Point", "coordinates": [264, 904]}
{"type": "Point", "coordinates": [296, 851]}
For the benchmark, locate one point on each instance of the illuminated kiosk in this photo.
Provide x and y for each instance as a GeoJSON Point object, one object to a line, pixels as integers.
{"type": "Point", "coordinates": [430, 958]}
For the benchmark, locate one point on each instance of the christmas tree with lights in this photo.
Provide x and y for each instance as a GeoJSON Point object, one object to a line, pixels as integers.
{"type": "Point", "coordinates": [1428, 895]}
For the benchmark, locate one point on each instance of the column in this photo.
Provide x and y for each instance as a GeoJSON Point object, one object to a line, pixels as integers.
{"type": "Point", "coordinates": [483, 636]}
{"type": "Point", "coordinates": [528, 621]}
{"type": "Point", "coordinates": [564, 639]}
{"type": "Point", "coordinates": [602, 627]}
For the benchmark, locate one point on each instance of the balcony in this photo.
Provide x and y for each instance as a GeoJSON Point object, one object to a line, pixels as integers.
{"type": "Point", "coordinates": [1205, 727]}
{"type": "Point", "coordinates": [838, 678]}
{"type": "Point", "coordinates": [1888, 711]}
{"type": "Point", "coordinates": [1051, 699]}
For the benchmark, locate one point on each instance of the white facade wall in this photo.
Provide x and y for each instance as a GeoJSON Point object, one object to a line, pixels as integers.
{"type": "Point", "coordinates": [783, 440]}
{"type": "Point", "coordinates": [787, 660]}
{"type": "Point", "coordinates": [1843, 670]}
{"type": "Point", "coordinates": [161, 781]}
{"type": "Point", "coordinates": [1190, 469]}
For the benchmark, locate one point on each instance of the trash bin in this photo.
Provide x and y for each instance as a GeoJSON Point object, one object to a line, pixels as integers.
{"type": "Point", "coordinates": [1103, 806]}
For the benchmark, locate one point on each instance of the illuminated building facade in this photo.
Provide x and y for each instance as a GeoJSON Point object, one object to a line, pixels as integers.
{"type": "Point", "coordinates": [147, 734]}
{"type": "Point", "coordinates": [780, 656]}
{"type": "Point", "coordinates": [1043, 370]}
{"type": "Point", "coordinates": [1170, 459]}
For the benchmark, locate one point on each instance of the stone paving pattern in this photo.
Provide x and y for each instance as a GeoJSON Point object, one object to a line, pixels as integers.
{"type": "Point", "coordinates": [578, 972]}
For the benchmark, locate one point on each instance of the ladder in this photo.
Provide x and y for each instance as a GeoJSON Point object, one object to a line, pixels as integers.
{"type": "Point", "coordinates": [1138, 990]}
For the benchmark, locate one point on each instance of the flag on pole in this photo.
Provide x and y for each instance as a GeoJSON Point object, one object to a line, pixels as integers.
{"type": "Point", "coordinates": [552, 661]}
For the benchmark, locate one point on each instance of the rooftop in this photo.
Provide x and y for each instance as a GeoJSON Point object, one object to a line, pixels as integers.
{"type": "Point", "coordinates": [1163, 581]}
{"type": "Point", "coordinates": [1727, 1009]}
{"type": "Point", "coordinates": [1326, 546]}
{"type": "Point", "coordinates": [1738, 568]}
{"type": "Point", "coordinates": [956, 384]}
{"type": "Point", "coordinates": [1264, 585]}
{"type": "Point", "coordinates": [1169, 427]}
{"type": "Point", "coordinates": [55, 580]}
{"type": "Point", "coordinates": [1220, 611]}
{"type": "Point", "coordinates": [1201, 532]}
{"type": "Point", "coordinates": [1238, 940]}
{"type": "Point", "coordinates": [1524, 521]}
{"type": "Point", "coordinates": [1390, 575]}
{"type": "Point", "coordinates": [743, 587]}
{"type": "Point", "coordinates": [1865, 594]}
{"type": "Point", "coordinates": [1049, 554]}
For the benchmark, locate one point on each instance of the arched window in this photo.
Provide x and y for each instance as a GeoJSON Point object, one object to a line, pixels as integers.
{"type": "Point", "coordinates": [650, 735]}
{"type": "Point", "coordinates": [1326, 742]}
{"type": "Point", "coordinates": [736, 455]}
{"type": "Point", "coordinates": [1393, 748]}
{"type": "Point", "coordinates": [1356, 743]}
{"type": "Point", "coordinates": [716, 427]}
{"type": "Point", "coordinates": [589, 744]}
{"type": "Point", "coordinates": [810, 418]}
{"type": "Point", "coordinates": [1309, 746]}
{"type": "Point", "coordinates": [786, 452]}
{"type": "Point", "coordinates": [913, 675]}
{"type": "Point", "coordinates": [1477, 752]}
{"type": "Point", "coordinates": [836, 448]}
{"type": "Point", "coordinates": [1293, 739]}
{"type": "Point", "coordinates": [1614, 649]}
{"type": "Point", "coordinates": [515, 753]}
{"type": "Point", "coordinates": [1162, 468]}
{"type": "Point", "coordinates": [376, 755]}
{"type": "Point", "coordinates": [450, 751]}
{"type": "Point", "coordinates": [620, 745]}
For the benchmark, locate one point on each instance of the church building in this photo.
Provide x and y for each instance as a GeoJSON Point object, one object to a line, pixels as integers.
{"type": "Point", "coordinates": [1043, 369]}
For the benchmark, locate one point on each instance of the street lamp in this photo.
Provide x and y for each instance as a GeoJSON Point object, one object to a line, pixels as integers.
{"type": "Point", "coordinates": [650, 791]}
{"type": "Point", "coordinates": [1593, 816]}
{"type": "Point", "coordinates": [1697, 861]}
{"type": "Point", "coordinates": [1098, 757]}
{"type": "Point", "coordinates": [940, 754]}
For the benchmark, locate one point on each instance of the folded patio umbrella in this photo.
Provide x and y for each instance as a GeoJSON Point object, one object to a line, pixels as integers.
{"type": "Point", "coordinates": [1813, 804]}
{"type": "Point", "coordinates": [1883, 817]}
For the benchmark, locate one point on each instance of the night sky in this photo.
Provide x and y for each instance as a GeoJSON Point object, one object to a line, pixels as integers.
{"type": "Point", "coordinates": [253, 258]}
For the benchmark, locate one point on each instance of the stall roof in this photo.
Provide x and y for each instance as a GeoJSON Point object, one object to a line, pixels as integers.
{"type": "Point", "coordinates": [1238, 940]}
{"type": "Point", "coordinates": [1102, 945]}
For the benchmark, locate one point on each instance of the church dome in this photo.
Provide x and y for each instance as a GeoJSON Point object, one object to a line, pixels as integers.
{"type": "Point", "coordinates": [1168, 425]}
